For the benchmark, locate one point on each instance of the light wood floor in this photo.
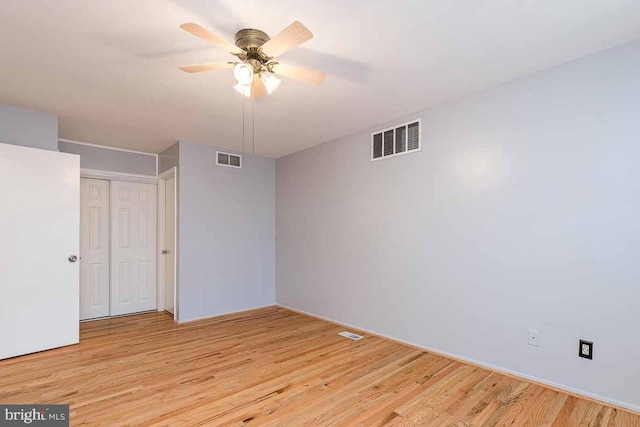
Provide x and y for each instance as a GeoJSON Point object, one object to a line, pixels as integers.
{"type": "Point", "coordinates": [275, 367]}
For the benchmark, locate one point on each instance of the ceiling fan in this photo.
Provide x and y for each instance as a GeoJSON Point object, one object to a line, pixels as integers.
{"type": "Point", "coordinates": [256, 53]}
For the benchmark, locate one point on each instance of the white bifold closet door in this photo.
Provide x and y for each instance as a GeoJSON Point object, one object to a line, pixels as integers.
{"type": "Point", "coordinates": [94, 248]}
{"type": "Point", "coordinates": [133, 247]}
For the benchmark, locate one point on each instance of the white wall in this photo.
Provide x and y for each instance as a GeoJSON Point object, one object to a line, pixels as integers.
{"type": "Point", "coordinates": [226, 233]}
{"type": "Point", "coordinates": [520, 212]}
{"type": "Point", "coordinates": [28, 128]}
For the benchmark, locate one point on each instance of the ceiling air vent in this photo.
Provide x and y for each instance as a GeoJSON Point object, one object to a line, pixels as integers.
{"type": "Point", "coordinates": [398, 140]}
{"type": "Point", "coordinates": [228, 159]}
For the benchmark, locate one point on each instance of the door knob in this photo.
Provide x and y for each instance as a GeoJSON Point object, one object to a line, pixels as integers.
{"type": "Point", "coordinates": [73, 258]}
{"type": "Point", "coordinates": [165, 251]}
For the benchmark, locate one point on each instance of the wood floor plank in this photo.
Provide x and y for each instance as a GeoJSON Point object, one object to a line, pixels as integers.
{"type": "Point", "coordinates": [471, 396]}
{"type": "Point", "coordinates": [545, 409]}
{"type": "Point", "coordinates": [426, 409]}
{"type": "Point", "coordinates": [275, 367]}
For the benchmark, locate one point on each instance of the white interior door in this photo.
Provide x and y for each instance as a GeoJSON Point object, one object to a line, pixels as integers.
{"type": "Point", "coordinates": [39, 236]}
{"type": "Point", "coordinates": [169, 252]}
{"type": "Point", "coordinates": [133, 247]}
{"type": "Point", "coordinates": [94, 248]}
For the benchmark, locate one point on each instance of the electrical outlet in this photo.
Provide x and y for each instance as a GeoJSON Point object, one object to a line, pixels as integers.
{"type": "Point", "coordinates": [533, 338]}
{"type": "Point", "coordinates": [586, 349]}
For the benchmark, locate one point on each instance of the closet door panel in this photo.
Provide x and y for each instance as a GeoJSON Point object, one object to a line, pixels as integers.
{"type": "Point", "coordinates": [133, 247]}
{"type": "Point", "coordinates": [94, 248]}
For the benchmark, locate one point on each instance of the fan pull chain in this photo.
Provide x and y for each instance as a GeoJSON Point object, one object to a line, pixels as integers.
{"type": "Point", "coordinates": [243, 127]}
{"type": "Point", "coordinates": [253, 125]}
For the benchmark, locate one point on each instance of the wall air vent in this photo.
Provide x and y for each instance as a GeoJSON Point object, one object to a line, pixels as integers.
{"type": "Point", "coordinates": [401, 139]}
{"type": "Point", "coordinates": [350, 335]}
{"type": "Point", "coordinates": [228, 159]}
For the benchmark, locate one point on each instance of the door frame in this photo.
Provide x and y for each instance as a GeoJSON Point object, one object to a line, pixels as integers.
{"type": "Point", "coordinates": [162, 178]}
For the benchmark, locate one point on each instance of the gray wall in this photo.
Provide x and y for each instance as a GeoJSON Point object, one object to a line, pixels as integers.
{"type": "Point", "coordinates": [111, 160]}
{"type": "Point", "coordinates": [28, 128]}
{"type": "Point", "coordinates": [169, 158]}
{"type": "Point", "coordinates": [226, 232]}
{"type": "Point", "coordinates": [520, 212]}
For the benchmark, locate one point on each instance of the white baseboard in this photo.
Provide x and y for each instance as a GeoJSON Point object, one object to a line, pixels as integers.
{"type": "Point", "coordinates": [510, 372]}
{"type": "Point", "coordinates": [213, 316]}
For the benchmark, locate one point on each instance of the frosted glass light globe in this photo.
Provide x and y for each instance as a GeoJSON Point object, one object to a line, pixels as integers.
{"type": "Point", "coordinates": [243, 73]}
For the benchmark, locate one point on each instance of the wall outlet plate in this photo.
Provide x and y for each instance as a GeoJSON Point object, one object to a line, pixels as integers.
{"type": "Point", "coordinates": [534, 340]}
{"type": "Point", "coordinates": [586, 349]}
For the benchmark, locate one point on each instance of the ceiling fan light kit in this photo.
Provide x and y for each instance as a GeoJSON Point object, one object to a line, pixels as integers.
{"type": "Point", "coordinates": [243, 73]}
{"type": "Point", "coordinates": [271, 82]}
{"type": "Point", "coordinates": [243, 89]}
{"type": "Point", "coordinates": [256, 52]}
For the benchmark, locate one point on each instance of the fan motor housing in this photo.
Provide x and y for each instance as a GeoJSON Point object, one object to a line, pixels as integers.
{"type": "Point", "coordinates": [250, 38]}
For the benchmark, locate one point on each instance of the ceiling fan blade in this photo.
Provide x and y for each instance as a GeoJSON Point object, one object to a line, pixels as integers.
{"type": "Point", "coordinates": [258, 90]}
{"type": "Point", "coordinates": [299, 73]}
{"type": "Point", "coordinates": [292, 36]}
{"type": "Point", "coordinates": [211, 66]}
{"type": "Point", "coordinates": [200, 32]}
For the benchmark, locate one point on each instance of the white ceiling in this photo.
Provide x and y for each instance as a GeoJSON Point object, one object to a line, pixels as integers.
{"type": "Point", "coordinates": [109, 68]}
